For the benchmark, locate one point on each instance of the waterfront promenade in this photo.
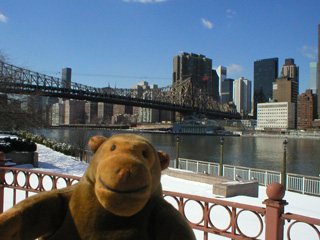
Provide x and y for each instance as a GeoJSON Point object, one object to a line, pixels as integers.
{"type": "Point", "coordinates": [220, 208]}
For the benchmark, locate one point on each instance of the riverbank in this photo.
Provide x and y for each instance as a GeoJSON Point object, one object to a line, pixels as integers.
{"type": "Point", "coordinates": [251, 152]}
{"type": "Point", "coordinates": [280, 135]}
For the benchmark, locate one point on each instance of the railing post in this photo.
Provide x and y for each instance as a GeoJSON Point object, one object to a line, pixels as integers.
{"type": "Point", "coordinates": [284, 165]}
{"type": "Point", "coordinates": [266, 179]}
{"type": "Point", "coordinates": [2, 173]}
{"type": "Point", "coordinates": [177, 153]}
{"type": "Point", "coordinates": [221, 156]}
{"type": "Point", "coordinates": [206, 220]}
{"type": "Point", "coordinates": [274, 210]}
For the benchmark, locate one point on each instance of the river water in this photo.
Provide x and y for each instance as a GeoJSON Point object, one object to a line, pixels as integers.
{"type": "Point", "coordinates": [303, 154]}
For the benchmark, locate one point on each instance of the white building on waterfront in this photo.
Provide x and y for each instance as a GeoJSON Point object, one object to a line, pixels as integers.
{"type": "Point", "coordinates": [276, 115]}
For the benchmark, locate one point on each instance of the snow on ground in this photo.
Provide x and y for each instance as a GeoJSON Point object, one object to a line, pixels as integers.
{"type": "Point", "coordinates": [51, 161]}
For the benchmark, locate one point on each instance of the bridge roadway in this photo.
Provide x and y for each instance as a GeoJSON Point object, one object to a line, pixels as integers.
{"type": "Point", "coordinates": [21, 81]}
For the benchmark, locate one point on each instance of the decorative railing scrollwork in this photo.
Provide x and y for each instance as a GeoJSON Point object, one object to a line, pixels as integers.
{"type": "Point", "coordinates": [207, 205]}
{"type": "Point", "coordinates": [295, 219]}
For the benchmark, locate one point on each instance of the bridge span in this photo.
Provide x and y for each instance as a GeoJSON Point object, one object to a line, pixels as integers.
{"type": "Point", "coordinates": [176, 97]}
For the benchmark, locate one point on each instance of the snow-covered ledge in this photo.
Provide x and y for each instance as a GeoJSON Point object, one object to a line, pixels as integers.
{"type": "Point", "coordinates": [220, 185]}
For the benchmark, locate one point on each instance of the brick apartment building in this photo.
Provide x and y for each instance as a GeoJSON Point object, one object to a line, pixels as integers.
{"type": "Point", "coordinates": [307, 109]}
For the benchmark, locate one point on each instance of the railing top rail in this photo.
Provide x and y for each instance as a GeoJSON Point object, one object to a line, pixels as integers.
{"type": "Point", "coordinates": [300, 218]}
{"type": "Point", "coordinates": [305, 176]}
{"type": "Point", "coordinates": [40, 172]}
{"type": "Point", "coordinates": [251, 169]}
{"type": "Point", "coordinates": [254, 169]}
{"type": "Point", "coordinates": [199, 161]}
{"type": "Point", "coordinates": [260, 210]}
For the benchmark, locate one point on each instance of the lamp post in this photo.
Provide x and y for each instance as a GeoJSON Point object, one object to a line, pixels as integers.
{"type": "Point", "coordinates": [221, 156]}
{"type": "Point", "coordinates": [284, 165]}
{"type": "Point", "coordinates": [177, 149]}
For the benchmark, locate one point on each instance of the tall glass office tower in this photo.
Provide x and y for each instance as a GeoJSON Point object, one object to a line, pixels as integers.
{"type": "Point", "coordinates": [318, 71]}
{"type": "Point", "coordinates": [313, 84]}
{"type": "Point", "coordinates": [265, 73]}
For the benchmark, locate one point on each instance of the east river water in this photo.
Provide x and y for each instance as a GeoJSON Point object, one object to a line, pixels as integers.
{"type": "Point", "coordinates": [303, 154]}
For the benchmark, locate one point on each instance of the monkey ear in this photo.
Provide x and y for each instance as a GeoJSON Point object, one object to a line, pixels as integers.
{"type": "Point", "coordinates": [95, 142]}
{"type": "Point", "coordinates": [164, 159]}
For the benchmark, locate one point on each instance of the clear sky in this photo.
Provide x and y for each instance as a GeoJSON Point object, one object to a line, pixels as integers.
{"type": "Point", "coordinates": [122, 42]}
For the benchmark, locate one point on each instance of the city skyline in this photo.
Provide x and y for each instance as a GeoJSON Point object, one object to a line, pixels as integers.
{"type": "Point", "coordinates": [122, 42]}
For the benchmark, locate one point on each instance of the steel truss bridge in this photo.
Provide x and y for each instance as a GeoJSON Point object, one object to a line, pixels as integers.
{"type": "Point", "coordinates": [180, 97]}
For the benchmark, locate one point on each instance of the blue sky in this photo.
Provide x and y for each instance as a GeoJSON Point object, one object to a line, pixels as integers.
{"type": "Point", "coordinates": [121, 42]}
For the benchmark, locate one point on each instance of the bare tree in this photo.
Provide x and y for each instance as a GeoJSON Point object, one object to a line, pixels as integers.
{"type": "Point", "coordinates": [12, 113]}
{"type": "Point", "coordinates": [80, 141]}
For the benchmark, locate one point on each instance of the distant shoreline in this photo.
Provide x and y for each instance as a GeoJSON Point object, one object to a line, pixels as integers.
{"type": "Point", "coordinates": [282, 136]}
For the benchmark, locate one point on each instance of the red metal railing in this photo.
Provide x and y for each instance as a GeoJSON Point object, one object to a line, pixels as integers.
{"type": "Point", "coordinates": [206, 224]}
{"type": "Point", "coordinates": [23, 181]}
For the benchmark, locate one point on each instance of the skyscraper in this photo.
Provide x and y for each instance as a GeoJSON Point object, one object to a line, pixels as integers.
{"type": "Point", "coordinates": [215, 81]}
{"type": "Point", "coordinates": [222, 74]}
{"type": "Point", "coordinates": [290, 70]}
{"type": "Point", "coordinates": [242, 95]}
{"type": "Point", "coordinates": [306, 109]}
{"type": "Point", "coordinates": [313, 84]}
{"type": "Point", "coordinates": [66, 77]}
{"type": "Point", "coordinates": [227, 91]}
{"type": "Point", "coordinates": [196, 67]}
{"type": "Point", "coordinates": [286, 88]}
{"type": "Point", "coordinates": [265, 73]}
{"type": "Point", "coordinates": [318, 71]}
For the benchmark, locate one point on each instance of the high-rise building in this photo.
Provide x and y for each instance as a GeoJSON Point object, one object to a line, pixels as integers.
{"type": "Point", "coordinates": [286, 87]}
{"type": "Point", "coordinates": [198, 70]}
{"type": "Point", "coordinates": [318, 107]}
{"type": "Point", "coordinates": [148, 115]}
{"type": "Point", "coordinates": [91, 112]}
{"type": "Point", "coordinates": [122, 109]}
{"type": "Point", "coordinates": [215, 81]}
{"type": "Point", "coordinates": [227, 91]}
{"type": "Point", "coordinates": [265, 73]}
{"type": "Point", "coordinates": [242, 95]}
{"type": "Point", "coordinates": [74, 112]}
{"type": "Point", "coordinates": [194, 66]}
{"type": "Point", "coordinates": [105, 112]}
{"type": "Point", "coordinates": [222, 74]}
{"type": "Point", "coordinates": [314, 77]}
{"type": "Point", "coordinates": [66, 77]}
{"type": "Point", "coordinates": [289, 69]}
{"type": "Point", "coordinates": [307, 109]}
{"type": "Point", "coordinates": [57, 111]}
{"type": "Point", "coordinates": [285, 90]}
